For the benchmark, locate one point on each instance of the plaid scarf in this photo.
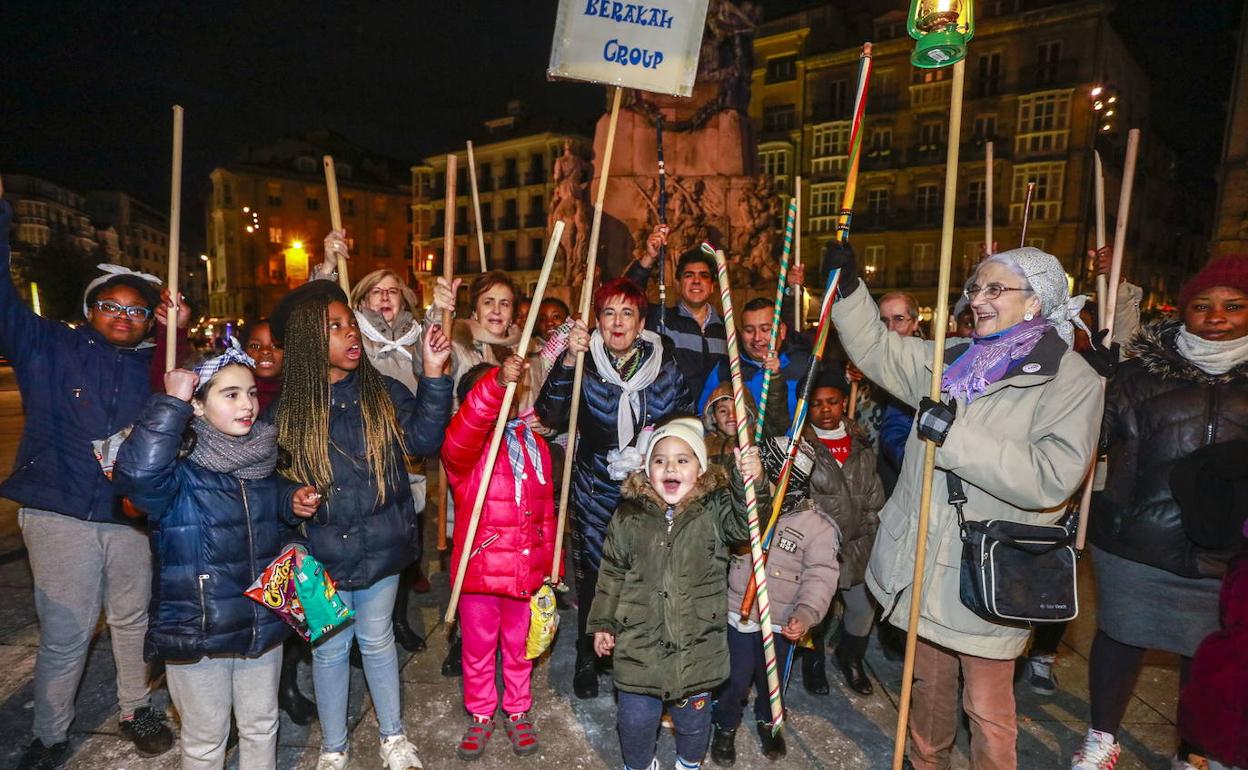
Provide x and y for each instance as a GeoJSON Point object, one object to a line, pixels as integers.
{"type": "Point", "coordinates": [520, 441]}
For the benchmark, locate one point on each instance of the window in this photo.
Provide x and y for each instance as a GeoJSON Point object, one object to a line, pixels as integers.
{"type": "Point", "coordinates": [830, 147]}
{"type": "Point", "coordinates": [535, 251]}
{"type": "Point", "coordinates": [920, 76]}
{"type": "Point", "coordinates": [1046, 202]}
{"type": "Point", "coordinates": [348, 205]}
{"type": "Point", "coordinates": [877, 206]}
{"type": "Point", "coordinates": [985, 127]}
{"type": "Point", "coordinates": [1043, 123]}
{"type": "Point", "coordinates": [1048, 60]}
{"type": "Point", "coordinates": [975, 198]}
{"type": "Point", "coordinates": [927, 203]}
{"type": "Point", "coordinates": [931, 135]}
{"type": "Point", "coordinates": [881, 141]}
{"type": "Point", "coordinates": [380, 207]}
{"type": "Point", "coordinates": [825, 204]}
{"type": "Point", "coordinates": [228, 195]}
{"type": "Point", "coordinates": [1036, 243]}
{"type": "Point", "coordinates": [461, 258]}
{"type": "Point", "coordinates": [881, 97]}
{"type": "Point", "coordinates": [275, 234]}
{"type": "Point", "coordinates": [274, 190]}
{"type": "Point", "coordinates": [312, 203]}
{"type": "Point", "coordinates": [930, 88]}
{"type": "Point", "coordinates": [487, 216]}
{"type": "Point", "coordinates": [988, 74]}
{"type": "Point", "coordinates": [305, 164]}
{"type": "Point", "coordinates": [838, 99]}
{"type": "Point", "coordinates": [873, 260]}
{"type": "Point", "coordinates": [780, 117]}
{"type": "Point", "coordinates": [781, 68]}
{"type": "Point", "coordinates": [774, 163]}
{"type": "Point", "coordinates": [509, 254]}
{"type": "Point", "coordinates": [923, 264]}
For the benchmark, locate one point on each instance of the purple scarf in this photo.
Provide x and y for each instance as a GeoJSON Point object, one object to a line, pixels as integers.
{"type": "Point", "coordinates": [989, 358]}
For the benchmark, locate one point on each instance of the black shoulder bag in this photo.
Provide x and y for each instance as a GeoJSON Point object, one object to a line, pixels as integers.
{"type": "Point", "coordinates": [1013, 573]}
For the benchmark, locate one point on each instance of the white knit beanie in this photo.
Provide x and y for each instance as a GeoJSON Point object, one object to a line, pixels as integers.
{"type": "Point", "coordinates": [688, 430]}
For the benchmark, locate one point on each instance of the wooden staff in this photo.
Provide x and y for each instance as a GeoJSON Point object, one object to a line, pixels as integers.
{"type": "Point", "coordinates": [448, 319]}
{"type": "Point", "coordinates": [751, 496]}
{"type": "Point", "coordinates": [798, 307]}
{"type": "Point", "coordinates": [774, 340]}
{"type": "Point", "coordinates": [175, 236]}
{"type": "Point", "coordinates": [335, 217]}
{"type": "Point", "coordinates": [587, 294]}
{"type": "Point", "coordinates": [853, 399]}
{"type": "Point", "coordinates": [476, 206]}
{"type": "Point", "coordinates": [1108, 298]}
{"type": "Point", "coordinates": [940, 325]}
{"type": "Point", "coordinates": [1022, 235]}
{"type": "Point", "coordinates": [988, 198]}
{"type": "Point", "coordinates": [500, 427]}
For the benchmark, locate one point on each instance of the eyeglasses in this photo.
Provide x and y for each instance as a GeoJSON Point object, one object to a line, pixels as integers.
{"type": "Point", "coordinates": [990, 292]}
{"type": "Point", "coordinates": [115, 310]}
{"type": "Point", "coordinates": [380, 292]}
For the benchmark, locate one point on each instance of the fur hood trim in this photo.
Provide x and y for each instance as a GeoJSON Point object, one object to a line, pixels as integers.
{"type": "Point", "coordinates": [637, 487]}
{"type": "Point", "coordinates": [1154, 347]}
{"type": "Point", "coordinates": [468, 331]}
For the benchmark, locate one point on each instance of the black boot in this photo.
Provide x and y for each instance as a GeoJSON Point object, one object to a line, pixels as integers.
{"type": "Point", "coordinates": [453, 663]}
{"type": "Point", "coordinates": [407, 638]}
{"type": "Point", "coordinates": [356, 657]}
{"type": "Point", "coordinates": [37, 756]}
{"type": "Point", "coordinates": [289, 698]}
{"type": "Point", "coordinates": [585, 676]}
{"type": "Point", "coordinates": [814, 676]}
{"type": "Point", "coordinates": [773, 745]}
{"type": "Point", "coordinates": [723, 746]}
{"type": "Point", "coordinates": [892, 641]}
{"type": "Point", "coordinates": [849, 654]}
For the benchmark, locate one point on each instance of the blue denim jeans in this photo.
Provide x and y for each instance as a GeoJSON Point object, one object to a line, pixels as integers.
{"type": "Point", "coordinates": [745, 656]}
{"type": "Point", "coordinates": [331, 667]}
{"type": "Point", "coordinates": [638, 725]}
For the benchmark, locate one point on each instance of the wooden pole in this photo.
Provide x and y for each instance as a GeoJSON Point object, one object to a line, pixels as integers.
{"type": "Point", "coordinates": [500, 427]}
{"type": "Point", "coordinates": [1120, 227]}
{"type": "Point", "coordinates": [853, 400]}
{"type": "Point", "coordinates": [798, 304]}
{"type": "Point", "coordinates": [1102, 282]}
{"type": "Point", "coordinates": [587, 294]}
{"type": "Point", "coordinates": [175, 237]}
{"type": "Point", "coordinates": [448, 320]}
{"type": "Point", "coordinates": [476, 207]}
{"type": "Point", "coordinates": [940, 324]}
{"type": "Point", "coordinates": [1022, 235]}
{"type": "Point", "coordinates": [335, 217]}
{"type": "Point", "coordinates": [988, 198]}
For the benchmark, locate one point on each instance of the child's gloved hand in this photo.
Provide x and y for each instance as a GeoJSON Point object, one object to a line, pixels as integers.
{"type": "Point", "coordinates": [604, 643]}
{"type": "Point", "coordinates": [435, 351]}
{"type": "Point", "coordinates": [511, 370]}
{"type": "Point", "coordinates": [305, 501]}
{"type": "Point", "coordinates": [794, 630]}
{"type": "Point", "coordinates": [749, 464]}
{"type": "Point", "coordinates": [180, 383]}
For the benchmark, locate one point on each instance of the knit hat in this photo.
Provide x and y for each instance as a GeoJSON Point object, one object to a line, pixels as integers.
{"type": "Point", "coordinates": [1048, 280]}
{"type": "Point", "coordinates": [323, 292]}
{"type": "Point", "coordinates": [145, 284]}
{"type": "Point", "coordinates": [1229, 270]}
{"type": "Point", "coordinates": [688, 430]}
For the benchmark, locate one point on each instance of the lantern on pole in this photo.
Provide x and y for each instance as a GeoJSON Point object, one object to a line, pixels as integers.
{"type": "Point", "coordinates": [942, 29]}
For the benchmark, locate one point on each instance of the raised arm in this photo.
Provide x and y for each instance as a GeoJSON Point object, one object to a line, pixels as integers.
{"type": "Point", "coordinates": [146, 469]}
{"type": "Point", "coordinates": [469, 432]}
{"type": "Point", "coordinates": [23, 335]}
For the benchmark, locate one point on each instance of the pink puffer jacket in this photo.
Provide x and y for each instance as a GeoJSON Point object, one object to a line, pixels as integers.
{"type": "Point", "coordinates": [515, 543]}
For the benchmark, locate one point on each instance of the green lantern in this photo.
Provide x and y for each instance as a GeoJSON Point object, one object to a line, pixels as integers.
{"type": "Point", "coordinates": [942, 29]}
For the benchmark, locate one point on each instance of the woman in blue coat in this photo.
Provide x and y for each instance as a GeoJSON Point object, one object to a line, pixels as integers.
{"type": "Point", "coordinates": [631, 382]}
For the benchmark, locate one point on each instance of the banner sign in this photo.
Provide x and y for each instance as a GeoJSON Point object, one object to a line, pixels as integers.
{"type": "Point", "coordinates": [651, 46]}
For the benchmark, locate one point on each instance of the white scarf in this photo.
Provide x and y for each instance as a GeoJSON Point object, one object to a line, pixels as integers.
{"type": "Point", "coordinates": [1211, 356]}
{"type": "Point", "coordinates": [399, 345]}
{"type": "Point", "coordinates": [626, 412]}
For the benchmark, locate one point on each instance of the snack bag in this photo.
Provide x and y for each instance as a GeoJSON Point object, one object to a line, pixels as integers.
{"type": "Point", "coordinates": [323, 609]}
{"type": "Point", "coordinates": [543, 622]}
{"type": "Point", "coordinates": [275, 588]}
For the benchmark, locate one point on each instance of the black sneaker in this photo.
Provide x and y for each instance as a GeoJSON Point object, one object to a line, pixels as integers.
{"type": "Point", "coordinates": [723, 746]}
{"type": "Point", "coordinates": [1040, 674]}
{"type": "Point", "coordinates": [40, 757]}
{"type": "Point", "coordinates": [147, 729]}
{"type": "Point", "coordinates": [772, 745]}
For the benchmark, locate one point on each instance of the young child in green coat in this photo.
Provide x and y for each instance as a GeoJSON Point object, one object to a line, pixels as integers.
{"type": "Point", "coordinates": [662, 591]}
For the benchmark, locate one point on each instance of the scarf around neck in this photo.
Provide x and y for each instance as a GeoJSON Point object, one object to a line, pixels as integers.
{"type": "Point", "coordinates": [989, 358]}
{"type": "Point", "coordinates": [630, 401]}
{"type": "Point", "coordinates": [387, 336]}
{"type": "Point", "coordinates": [521, 442]}
{"type": "Point", "coordinates": [253, 456]}
{"type": "Point", "coordinates": [1211, 356]}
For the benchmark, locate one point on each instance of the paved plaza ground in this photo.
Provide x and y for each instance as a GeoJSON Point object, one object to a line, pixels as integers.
{"type": "Point", "coordinates": [841, 730]}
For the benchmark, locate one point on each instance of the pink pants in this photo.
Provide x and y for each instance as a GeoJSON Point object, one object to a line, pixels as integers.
{"type": "Point", "coordinates": [489, 623]}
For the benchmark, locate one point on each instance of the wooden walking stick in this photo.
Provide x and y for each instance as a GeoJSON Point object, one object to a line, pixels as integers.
{"type": "Point", "coordinates": [476, 207]}
{"type": "Point", "coordinates": [751, 497]}
{"type": "Point", "coordinates": [448, 320]}
{"type": "Point", "coordinates": [175, 237]}
{"type": "Point", "coordinates": [774, 340]}
{"type": "Point", "coordinates": [853, 400]}
{"type": "Point", "coordinates": [1102, 282]}
{"type": "Point", "coordinates": [1022, 235]}
{"type": "Point", "coordinates": [587, 294]}
{"type": "Point", "coordinates": [940, 325]}
{"type": "Point", "coordinates": [335, 217]}
{"type": "Point", "coordinates": [988, 198]}
{"type": "Point", "coordinates": [500, 427]}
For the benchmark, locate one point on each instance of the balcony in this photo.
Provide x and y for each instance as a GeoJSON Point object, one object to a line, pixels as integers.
{"type": "Point", "coordinates": [988, 86]}
{"type": "Point", "coordinates": [535, 176]}
{"type": "Point", "coordinates": [508, 181]}
{"type": "Point", "coordinates": [974, 215]}
{"type": "Point", "coordinates": [485, 184]}
{"type": "Point", "coordinates": [1040, 77]}
{"type": "Point", "coordinates": [930, 95]}
{"type": "Point", "coordinates": [927, 154]}
{"type": "Point", "coordinates": [880, 159]}
{"type": "Point", "coordinates": [509, 222]}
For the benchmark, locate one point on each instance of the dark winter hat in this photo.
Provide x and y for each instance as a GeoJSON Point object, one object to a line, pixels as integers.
{"type": "Point", "coordinates": [1211, 487]}
{"type": "Point", "coordinates": [832, 375]}
{"type": "Point", "coordinates": [320, 292]}
{"type": "Point", "coordinates": [1229, 270]}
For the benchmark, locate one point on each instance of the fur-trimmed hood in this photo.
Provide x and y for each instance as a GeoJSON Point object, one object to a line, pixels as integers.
{"type": "Point", "coordinates": [1154, 347]}
{"type": "Point", "coordinates": [637, 487]}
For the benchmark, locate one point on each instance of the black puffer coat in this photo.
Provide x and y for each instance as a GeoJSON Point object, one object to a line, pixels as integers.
{"type": "Point", "coordinates": [594, 495]}
{"type": "Point", "coordinates": [1159, 409]}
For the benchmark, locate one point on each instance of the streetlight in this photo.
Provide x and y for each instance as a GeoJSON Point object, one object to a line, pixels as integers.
{"type": "Point", "coordinates": [942, 29]}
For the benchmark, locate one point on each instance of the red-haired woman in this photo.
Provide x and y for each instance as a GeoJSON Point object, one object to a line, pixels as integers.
{"type": "Point", "coordinates": [631, 382]}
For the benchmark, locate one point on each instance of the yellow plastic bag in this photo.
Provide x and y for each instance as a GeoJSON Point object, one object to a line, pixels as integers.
{"type": "Point", "coordinates": [543, 622]}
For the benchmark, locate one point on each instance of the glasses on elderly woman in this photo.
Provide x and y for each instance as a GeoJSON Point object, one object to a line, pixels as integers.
{"type": "Point", "coordinates": [990, 292]}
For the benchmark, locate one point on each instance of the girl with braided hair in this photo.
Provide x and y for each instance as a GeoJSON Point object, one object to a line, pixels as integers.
{"type": "Point", "coordinates": [347, 428]}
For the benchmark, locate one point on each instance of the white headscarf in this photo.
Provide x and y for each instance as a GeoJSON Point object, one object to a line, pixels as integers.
{"type": "Point", "coordinates": [1048, 280]}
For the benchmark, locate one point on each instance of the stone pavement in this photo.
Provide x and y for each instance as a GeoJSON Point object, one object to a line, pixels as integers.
{"type": "Point", "coordinates": [841, 730]}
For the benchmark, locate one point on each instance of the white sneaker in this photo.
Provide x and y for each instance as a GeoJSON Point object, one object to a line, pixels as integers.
{"type": "Point", "coordinates": [333, 760]}
{"type": "Point", "coordinates": [1099, 752]}
{"type": "Point", "coordinates": [398, 753]}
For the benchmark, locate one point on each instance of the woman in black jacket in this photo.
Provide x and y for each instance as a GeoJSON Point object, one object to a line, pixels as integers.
{"type": "Point", "coordinates": [631, 382]}
{"type": "Point", "coordinates": [1157, 588]}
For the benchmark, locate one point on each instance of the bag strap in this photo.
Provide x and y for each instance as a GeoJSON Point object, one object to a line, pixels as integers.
{"type": "Point", "coordinates": [957, 498]}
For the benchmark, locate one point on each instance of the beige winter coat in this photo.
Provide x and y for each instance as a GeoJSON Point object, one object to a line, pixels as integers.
{"type": "Point", "coordinates": [1022, 449]}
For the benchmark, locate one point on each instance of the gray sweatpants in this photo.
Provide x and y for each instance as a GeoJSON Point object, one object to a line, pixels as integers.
{"type": "Point", "coordinates": [859, 610]}
{"type": "Point", "coordinates": [80, 566]}
{"type": "Point", "coordinates": [205, 692]}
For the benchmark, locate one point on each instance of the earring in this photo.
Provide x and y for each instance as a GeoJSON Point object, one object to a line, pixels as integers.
{"type": "Point", "coordinates": [1028, 315]}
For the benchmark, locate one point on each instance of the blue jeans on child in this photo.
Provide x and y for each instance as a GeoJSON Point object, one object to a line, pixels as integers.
{"type": "Point", "coordinates": [331, 667]}
{"type": "Point", "coordinates": [638, 725]}
{"type": "Point", "coordinates": [745, 653]}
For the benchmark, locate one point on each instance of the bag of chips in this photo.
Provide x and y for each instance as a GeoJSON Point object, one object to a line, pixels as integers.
{"type": "Point", "coordinates": [543, 622]}
{"type": "Point", "coordinates": [297, 588]}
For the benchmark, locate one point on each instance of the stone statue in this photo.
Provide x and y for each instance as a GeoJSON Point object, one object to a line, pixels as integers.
{"type": "Point", "coordinates": [570, 202]}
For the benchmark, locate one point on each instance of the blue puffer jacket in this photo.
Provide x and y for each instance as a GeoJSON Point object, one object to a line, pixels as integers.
{"type": "Point", "coordinates": [212, 535]}
{"type": "Point", "coordinates": [76, 388]}
{"type": "Point", "coordinates": [594, 495]}
{"type": "Point", "coordinates": [358, 540]}
{"type": "Point", "coordinates": [794, 363]}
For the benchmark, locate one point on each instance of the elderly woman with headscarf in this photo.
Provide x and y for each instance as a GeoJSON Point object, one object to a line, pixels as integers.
{"type": "Point", "coordinates": [1019, 430]}
{"type": "Point", "coordinates": [1171, 412]}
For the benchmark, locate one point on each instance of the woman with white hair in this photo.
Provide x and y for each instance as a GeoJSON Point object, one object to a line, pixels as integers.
{"type": "Point", "coordinates": [1019, 428]}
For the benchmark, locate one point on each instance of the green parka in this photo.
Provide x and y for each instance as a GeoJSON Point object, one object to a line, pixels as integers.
{"type": "Point", "coordinates": [662, 588]}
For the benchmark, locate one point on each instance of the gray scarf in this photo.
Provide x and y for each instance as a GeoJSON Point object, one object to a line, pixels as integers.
{"type": "Point", "coordinates": [253, 456]}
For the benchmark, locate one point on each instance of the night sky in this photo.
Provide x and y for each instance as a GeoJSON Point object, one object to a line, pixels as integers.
{"type": "Point", "coordinates": [87, 86]}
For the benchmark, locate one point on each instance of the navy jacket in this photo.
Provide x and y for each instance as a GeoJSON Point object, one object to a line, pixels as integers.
{"type": "Point", "coordinates": [782, 394]}
{"type": "Point", "coordinates": [359, 540]}
{"type": "Point", "coordinates": [76, 388]}
{"type": "Point", "coordinates": [594, 495]}
{"type": "Point", "coordinates": [697, 350]}
{"type": "Point", "coordinates": [212, 534]}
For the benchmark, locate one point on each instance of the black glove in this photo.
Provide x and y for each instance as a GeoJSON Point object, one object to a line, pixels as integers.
{"type": "Point", "coordinates": [840, 255]}
{"type": "Point", "coordinates": [1101, 358]}
{"type": "Point", "coordinates": [935, 419]}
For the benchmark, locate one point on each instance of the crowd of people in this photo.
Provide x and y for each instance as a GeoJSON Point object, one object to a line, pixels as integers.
{"type": "Point", "coordinates": [172, 491]}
